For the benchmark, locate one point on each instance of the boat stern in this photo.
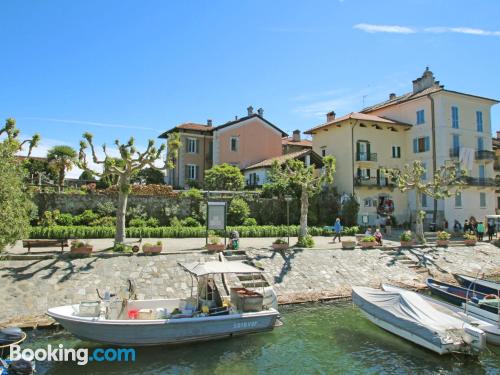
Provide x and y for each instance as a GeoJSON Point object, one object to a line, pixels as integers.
{"type": "Point", "coordinates": [475, 338]}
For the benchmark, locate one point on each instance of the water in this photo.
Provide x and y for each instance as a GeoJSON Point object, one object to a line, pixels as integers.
{"type": "Point", "coordinates": [315, 339]}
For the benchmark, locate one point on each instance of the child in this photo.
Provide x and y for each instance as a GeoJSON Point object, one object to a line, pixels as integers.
{"type": "Point", "coordinates": [378, 236]}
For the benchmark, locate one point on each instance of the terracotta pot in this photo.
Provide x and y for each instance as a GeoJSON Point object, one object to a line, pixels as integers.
{"type": "Point", "coordinates": [348, 245]}
{"type": "Point", "coordinates": [406, 243]}
{"type": "Point", "coordinates": [470, 242]}
{"type": "Point", "coordinates": [218, 247]}
{"type": "Point", "coordinates": [155, 249]}
{"type": "Point", "coordinates": [83, 250]}
{"type": "Point", "coordinates": [368, 245]}
{"type": "Point", "coordinates": [280, 246]}
{"type": "Point", "coordinates": [443, 243]}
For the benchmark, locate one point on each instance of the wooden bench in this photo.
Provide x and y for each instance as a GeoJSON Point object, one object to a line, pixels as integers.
{"type": "Point", "coordinates": [45, 243]}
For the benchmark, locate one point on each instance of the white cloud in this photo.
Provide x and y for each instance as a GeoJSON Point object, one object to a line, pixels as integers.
{"type": "Point", "coordinates": [371, 28]}
{"type": "Point", "coordinates": [461, 30]}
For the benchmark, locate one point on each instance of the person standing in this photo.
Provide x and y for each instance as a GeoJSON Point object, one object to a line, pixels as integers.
{"type": "Point", "coordinates": [388, 225]}
{"type": "Point", "coordinates": [467, 226]}
{"type": "Point", "coordinates": [491, 230]}
{"type": "Point", "coordinates": [337, 228]}
{"type": "Point", "coordinates": [480, 231]}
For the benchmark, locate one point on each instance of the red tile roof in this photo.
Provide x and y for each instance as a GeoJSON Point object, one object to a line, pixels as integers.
{"type": "Point", "coordinates": [188, 126]}
{"type": "Point", "coordinates": [302, 142]}
{"type": "Point", "coordinates": [283, 158]}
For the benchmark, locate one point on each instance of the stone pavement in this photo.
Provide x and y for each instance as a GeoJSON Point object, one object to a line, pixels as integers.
{"type": "Point", "coordinates": [29, 287]}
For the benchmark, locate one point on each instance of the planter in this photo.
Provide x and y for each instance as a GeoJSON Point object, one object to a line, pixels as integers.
{"type": "Point", "coordinates": [280, 246]}
{"type": "Point", "coordinates": [155, 249]}
{"type": "Point", "coordinates": [217, 247]}
{"type": "Point", "coordinates": [348, 245]}
{"type": "Point", "coordinates": [368, 245]}
{"type": "Point", "coordinates": [82, 250]}
{"type": "Point", "coordinates": [443, 243]}
{"type": "Point", "coordinates": [406, 243]}
{"type": "Point", "coordinates": [470, 242]}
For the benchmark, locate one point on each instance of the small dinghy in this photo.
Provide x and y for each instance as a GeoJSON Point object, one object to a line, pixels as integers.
{"type": "Point", "coordinates": [459, 295]}
{"type": "Point", "coordinates": [210, 315]}
{"type": "Point", "coordinates": [411, 317]}
{"type": "Point", "coordinates": [475, 319]}
{"type": "Point", "coordinates": [480, 285]}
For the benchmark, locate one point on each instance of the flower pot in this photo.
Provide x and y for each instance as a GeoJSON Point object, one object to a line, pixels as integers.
{"type": "Point", "coordinates": [280, 246]}
{"type": "Point", "coordinates": [406, 243]}
{"type": "Point", "coordinates": [368, 245]}
{"type": "Point", "coordinates": [470, 242]}
{"type": "Point", "coordinates": [217, 247]}
{"type": "Point", "coordinates": [155, 249]}
{"type": "Point", "coordinates": [348, 245]}
{"type": "Point", "coordinates": [82, 250]}
{"type": "Point", "coordinates": [443, 243]}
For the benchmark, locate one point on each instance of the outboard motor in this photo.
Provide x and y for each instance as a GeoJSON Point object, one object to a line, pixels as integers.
{"type": "Point", "coordinates": [475, 338]}
{"type": "Point", "coordinates": [20, 367]}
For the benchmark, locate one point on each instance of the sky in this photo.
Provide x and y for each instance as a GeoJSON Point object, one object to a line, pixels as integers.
{"type": "Point", "coordinates": [137, 68]}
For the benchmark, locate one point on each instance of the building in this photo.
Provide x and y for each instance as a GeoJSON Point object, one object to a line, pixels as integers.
{"type": "Point", "coordinates": [241, 142]}
{"type": "Point", "coordinates": [496, 167]}
{"type": "Point", "coordinates": [295, 143]}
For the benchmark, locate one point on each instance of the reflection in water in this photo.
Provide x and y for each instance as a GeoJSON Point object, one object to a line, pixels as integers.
{"type": "Point", "coordinates": [315, 339]}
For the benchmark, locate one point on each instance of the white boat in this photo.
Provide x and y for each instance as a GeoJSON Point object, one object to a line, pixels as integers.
{"type": "Point", "coordinates": [472, 315]}
{"type": "Point", "coordinates": [129, 322]}
{"type": "Point", "coordinates": [411, 317]}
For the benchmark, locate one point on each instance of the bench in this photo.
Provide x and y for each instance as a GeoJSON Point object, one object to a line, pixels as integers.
{"type": "Point", "coordinates": [45, 243]}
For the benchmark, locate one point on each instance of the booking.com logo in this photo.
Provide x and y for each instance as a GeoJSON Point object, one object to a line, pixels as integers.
{"type": "Point", "coordinates": [80, 356]}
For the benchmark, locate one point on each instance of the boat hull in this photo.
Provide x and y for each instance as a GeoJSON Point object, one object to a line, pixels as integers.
{"type": "Point", "coordinates": [165, 332]}
{"type": "Point", "coordinates": [478, 284]}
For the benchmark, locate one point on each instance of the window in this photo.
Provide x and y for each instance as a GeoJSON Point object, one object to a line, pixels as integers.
{"type": "Point", "coordinates": [481, 172]}
{"type": "Point", "coordinates": [362, 151]}
{"type": "Point", "coordinates": [235, 144]}
{"type": "Point", "coordinates": [480, 144]}
{"type": "Point", "coordinates": [368, 202]}
{"type": "Point", "coordinates": [454, 117]}
{"type": "Point", "coordinates": [323, 152]}
{"type": "Point", "coordinates": [424, 200]}
{"type": "Point", "coordinates": [479, 121]}
{"type": "Point", "coordinates": [396, 152]}
{"type": "Point", "coordinates": [253, 179]}
{"type": "Point", "coordinates": [363, 173]}
{"type": "Point", "coordinates": [421, 144]}
{"type": "Point", "coordinates": [192, 172]}
{"type": "Point", "coordinates": [192, 145]}
{"type": "Point", "coordinates": [458, 200]}
{"type": "Point", "coordinates": [420, 117]}
{"type": "Point", "coordinates": [456, 142]}
{"type": "Point", "coordinates": [482, 200]}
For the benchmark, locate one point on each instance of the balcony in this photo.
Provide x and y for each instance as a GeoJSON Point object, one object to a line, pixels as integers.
{"type": "Point", "coordinates": [474, 181]}
{"type": "Point", "coordinates": [454, 152]}
{"type": "Point", "coordinates": [366, 157]}
{"type": "Point", "coordinates": [372, 182]}
{"type": "Point", "coordinates": [485, 155]}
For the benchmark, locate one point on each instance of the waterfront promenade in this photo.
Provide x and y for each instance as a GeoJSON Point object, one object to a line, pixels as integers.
{"type": "Point", "coordinates": [30, 286]}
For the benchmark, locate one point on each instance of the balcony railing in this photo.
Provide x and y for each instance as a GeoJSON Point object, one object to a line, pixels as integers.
{"type": "Point", "coordinates": [454, 152]}
{"type": "Point", "coordinates": [373, 181]}
{"type": "Point", "coordinates": [366, 157]}
{"type": "Point", "coordinates": [474, 181]}
{"type": "Point", "coordinates": [485, 155]}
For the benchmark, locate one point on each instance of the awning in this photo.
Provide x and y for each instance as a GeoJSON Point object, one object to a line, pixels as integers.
{"type": "Point", "coordinates": [206, 268]}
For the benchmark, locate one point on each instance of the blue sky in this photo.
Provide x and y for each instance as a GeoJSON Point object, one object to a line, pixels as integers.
{"type": "Point", "coordinates": [122, 68]}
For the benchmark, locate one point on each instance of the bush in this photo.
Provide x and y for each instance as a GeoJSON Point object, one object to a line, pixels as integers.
{"type": "Point", "coordinates": [65, 219]}
{"type": "Point", "coordinates": [49, 218]}
{"type": "Point", "coordinates": [249, 222]}
{"type": "Point", "coordinates": [137, 222]}
{"type": "Point", "coordinates": [192, 194]}
{"type": "Point", "coordinates": [349, 211]}
{"type": "Point", "coordinates": [443, 236]}
{"type": "Point", "coordinates": [238, 211]}
{"type": "Point", "coordinates": [280, 241]}
{"type": "Point", "coordinates": [105, 221]}
{"type": "Point", "coordinates": [406, 236]}
{"type": "Point", "coordinates": [224, 177]}
{"type": "Point", "coordinates": [106, 209]}
{"type": "Point", "coordinates": [86, 217]}
{"type": "Point", "coordinates": [306, 241]}
{"type": "Point", "coordinates": [190, 222]}
{"type": "Point", "coordinates": [368, 239]}
{"type": "Point", "coordinates": [122, 248]}
{"type": "Point", "coordinates": [152, 222]}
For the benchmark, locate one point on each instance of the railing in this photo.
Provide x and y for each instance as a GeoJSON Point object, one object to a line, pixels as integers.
{"type": "Point", "coordinates": [485, 155]}
{"type": "Point", "coordinates": [366, 157]}
{"type": "Point", "coordinates": [474, 181]}
{"type": "Point", "coordinates": [454, 152]}
{"type": "Point", "coordinates": [372, 181]}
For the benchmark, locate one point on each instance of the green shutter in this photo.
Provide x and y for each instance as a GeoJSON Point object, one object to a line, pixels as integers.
{"type": "Point", "coordinates": [359, 172]}
{"type": "Point", "coordinates": [197, 146]}
{"type": "Point", "coordinates": [186, 172]}
{"type": "Point", "coordinates": [368, 157]}
{"type": "Point", "coordinates": [426, 143]}
{"type": "Point", "coordinates": [187, 144]}
{"type": "Point", "coordinates": [357, 150]}
{"type": "Point", "coordinates": [197, 172]}
{"type": "Point", "coordinates": [368, 172]}
{"type": "Point", "coordinates": [415, 145]}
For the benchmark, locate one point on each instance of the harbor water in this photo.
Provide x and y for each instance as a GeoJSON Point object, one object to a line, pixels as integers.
{"type": "Point", "coordinates": [331, 338]}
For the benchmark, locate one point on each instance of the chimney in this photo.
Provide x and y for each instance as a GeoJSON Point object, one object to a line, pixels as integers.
{"type": "Point", "coordinates": [498, 134]}
{"type": "Point", "coordinates": [209, 122]}
{"type": "Point", "coordinates": [250, 110]}
{"type": "Point", "coordinates": [330, 116]}
{"type": "Point", "coordinates": [427, 80]}
{"type": "Point", "coordinates": [392, 96]}
{"type": "Point", "coordinates": [260, 111]}
{"type": "Point", "coordinates": [296, 136]}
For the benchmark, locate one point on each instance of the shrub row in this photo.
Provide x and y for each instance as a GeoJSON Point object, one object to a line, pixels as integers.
{"type": "Point", "coordinates": [177, 231]}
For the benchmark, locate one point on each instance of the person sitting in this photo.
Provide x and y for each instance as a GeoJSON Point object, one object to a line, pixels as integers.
{"type": "Point", "coordinates": [378, 236]}
{"type": "Point", "coordinates": [467, 226]}
{"type": "Point", "coordinates": [368, 231]}
{"type": "Point", "coordinates": [457, 227]}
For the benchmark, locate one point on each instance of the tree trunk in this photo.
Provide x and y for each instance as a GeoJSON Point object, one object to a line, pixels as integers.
{"type": "Point", "coordinates": [419, 226]}
{"type": "Point", "coordinates": [121, 211]}
{"type": "Point", "coordinates": [304, 208]}
{"type": "Point", "coordinates": [61, 178]}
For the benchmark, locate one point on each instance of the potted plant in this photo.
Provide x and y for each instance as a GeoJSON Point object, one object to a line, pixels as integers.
{"type": "Point", "coordinates": [81, 248]}
{"type": "Point", "coordinates": [470, 239]}
{"type": "Point", "coordinates": [406, 238]}
{"type": "Point", "coordinates": [280, 244]}
{"type": "Point", "coordinates": [348, 244]}
{"type": "Point", "coordinates": [367, 242]}
{"type": "Point", "coordinates": [443, 238]}
{"type": "Point", "coordinates": [149, 248]}
{"type": "Point", "coordinates": [215, 244]}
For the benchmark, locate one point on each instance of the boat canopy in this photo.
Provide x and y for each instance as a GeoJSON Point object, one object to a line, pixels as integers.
{"type": "Point", "coordinates": [206, 268]}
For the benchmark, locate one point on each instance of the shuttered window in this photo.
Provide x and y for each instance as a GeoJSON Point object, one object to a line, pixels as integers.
{"type": "Point", "coordinates": [192, 145]}
{"type": "Point", "coordinates": [421, 144]}
{"type": "Point", "coordinates": [479, 121]}
{"type": "Point", "coordinates": [454, 117]}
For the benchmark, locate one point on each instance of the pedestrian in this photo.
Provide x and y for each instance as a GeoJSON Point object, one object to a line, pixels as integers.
{"type": "Point", "coordinates": [337, 229]}
{"type": "Point", "coordinates": [467, 226]}
{"type": "Point", "coordinates": [491, 230]}
{"type": "Point", "coordinates": [480, 231]}
{"type": "Point", "coordinates": [388, 226]}
{"type": "Point", "coordinates": [368, 231]}
{"type": "Point", "coordinates": [457, 227]}
{"type": "Point", "coordinates": [378, 236]}
{"type": "Point", "coordinates": [445, 224]}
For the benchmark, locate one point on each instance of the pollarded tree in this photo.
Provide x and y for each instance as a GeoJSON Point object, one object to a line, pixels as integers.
{"type": "Point", "coordinates": [61, 159]}
{"type": "Point", "coordinates": [131, 161]}
{"type": "Point", "coordinates": [447, 181]}
{"type": "Point", "coordinates": [224, 177]}
{"type": "Point", "coordinates": [296, 173]}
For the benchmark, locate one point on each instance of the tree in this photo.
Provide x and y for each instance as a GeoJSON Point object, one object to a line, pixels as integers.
{"type": "Point", "coordinates": [350, 209]}
{"type": "Point", "coordinates": [87, 176]}
{"type": "Point", "coordinates": [131, 161]}
{"type": "Point", "coordinates": [411, 178]}
{"type": "Point", "coordinates": [15, 201]}
{"type": "Point", "coordinates": [37, 169]}
{"type": "Point", "coordinates": [296, 173]}
{"type": "Point", "coordinates": [224, 177]}
{"type": "Point", "coordinates": [150, 176]}
{"type": "Point", "coordinates": [238, 211]}
{"type": "Point", "coordinates": [61, 159]}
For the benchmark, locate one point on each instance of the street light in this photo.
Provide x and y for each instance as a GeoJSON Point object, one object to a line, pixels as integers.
{"type": "Point", "coordinates": [288, 199]}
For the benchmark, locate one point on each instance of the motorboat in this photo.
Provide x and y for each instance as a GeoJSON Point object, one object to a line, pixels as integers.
{"type": "Point", "coordinates": [408, 315]}
{"type": "Point", "coordinates": [10, 336]}
{"type": "Point", "coordinates": [474, 318]}
{"type": "Point", "coordinates": [480, 285]}
{"type": "Point", "coordinates": [459, 295]}
{"type": "Point", "coordinates": [125, 321]}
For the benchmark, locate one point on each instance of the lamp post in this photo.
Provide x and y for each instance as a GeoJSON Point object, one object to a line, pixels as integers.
{"type": "Point", "coordinates": [288, 199]}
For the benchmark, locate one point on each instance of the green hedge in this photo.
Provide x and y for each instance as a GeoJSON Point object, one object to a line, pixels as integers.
{"type": "Point", "coordinates": [176, 232]}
